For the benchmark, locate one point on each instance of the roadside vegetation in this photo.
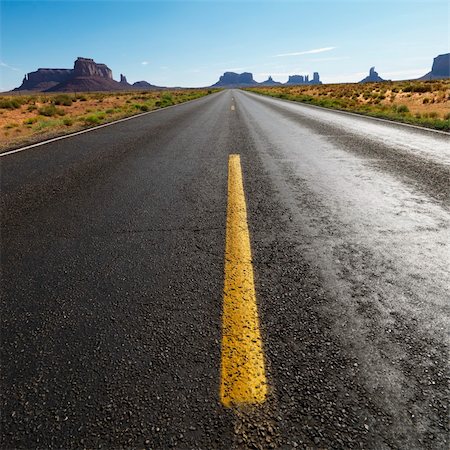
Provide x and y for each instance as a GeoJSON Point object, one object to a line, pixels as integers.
{"type": "Point", "coordinates": [423, 103]}
{"type": "Point", "coordinates": [25, 119]}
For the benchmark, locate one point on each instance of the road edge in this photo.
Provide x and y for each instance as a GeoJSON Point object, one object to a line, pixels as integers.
{"type": "Point", "coordinates": [86, 130]}
{"type": "Point", "coordinates": [364, 116]}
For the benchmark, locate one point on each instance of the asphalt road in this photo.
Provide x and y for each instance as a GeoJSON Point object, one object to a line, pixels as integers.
{"type": "Point", "coordinates": [113, 269]}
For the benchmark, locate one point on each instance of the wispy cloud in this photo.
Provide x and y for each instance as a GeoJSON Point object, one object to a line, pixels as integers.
{"type": "Point", "coordinates": [144, 63]}
{"type": "Point", "coordinates": [307, 52]}
{"type": "Point", "coordinates": [7, 66]}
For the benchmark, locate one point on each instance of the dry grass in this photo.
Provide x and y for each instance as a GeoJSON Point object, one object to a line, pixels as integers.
{"type": "Point", "coordinates": [25, 119]}
{"type": "Point", "coordinates": [425, 103]}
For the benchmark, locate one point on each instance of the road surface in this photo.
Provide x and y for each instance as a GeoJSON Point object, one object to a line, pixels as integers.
{"type": "Point", "coordinates": [113, 246]}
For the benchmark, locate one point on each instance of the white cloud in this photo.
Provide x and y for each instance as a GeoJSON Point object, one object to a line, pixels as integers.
{"type": "Point", "coordinates": [144, 63]}
{"type": "Point", "coordinates": [7, 66]}
{"type": "Point", "coordinates": [307, 52]}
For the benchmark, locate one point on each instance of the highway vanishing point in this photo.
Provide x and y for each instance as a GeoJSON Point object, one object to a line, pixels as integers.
{"type": "Point", "coordinates": [233, 272]}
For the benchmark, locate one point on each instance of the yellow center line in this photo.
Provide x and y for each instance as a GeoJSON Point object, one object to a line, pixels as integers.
{"type": "Point", "coordinates": [243, 370]}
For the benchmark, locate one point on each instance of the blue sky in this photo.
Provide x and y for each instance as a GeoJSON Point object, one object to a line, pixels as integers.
{"type": "Point", "coordinates": [191, 43]}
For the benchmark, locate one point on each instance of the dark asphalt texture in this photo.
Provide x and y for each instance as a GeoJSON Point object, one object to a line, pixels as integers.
{"type": "Point", "coordinates": [112, 254]}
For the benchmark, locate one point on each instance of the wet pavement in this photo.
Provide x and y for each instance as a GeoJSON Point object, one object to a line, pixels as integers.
{"type": "Point", "coordinates": [113, 257]}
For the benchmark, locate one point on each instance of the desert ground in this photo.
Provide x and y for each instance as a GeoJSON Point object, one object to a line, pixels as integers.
{"type": "Point", "coordinates": [32, 117]}
{"type": "Point", "coordinates": [423, 103]}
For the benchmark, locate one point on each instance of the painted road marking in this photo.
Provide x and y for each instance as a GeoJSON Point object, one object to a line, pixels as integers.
{"type": "Point", "coordinates": [232, 107]}
{"type": "Point", "coordinates": [243, 369]}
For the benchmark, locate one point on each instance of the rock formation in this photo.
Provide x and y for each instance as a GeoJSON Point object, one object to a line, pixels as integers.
{"type": "Point", "coordinates": [43, 79]}
{"type": "Point", "coordinates": [86, 75]}
{"type": "Point", "coordinates": [296, 79]}
{"type": "Point", "coordinates": [87, 67]}
{"type": "Point", "coordinates": [144, 85]}
{"type": "Point", "coordinates": [123, 80]}
{"type": "Point", "coordinates": [270, 82]}
{"type": "Point", "coordinates": [303, 79]}
{"type": "Point", "coordinates": [231, 79]}
{"type": "Point", "coordinates": [440, 68]}
{"type": "Point", "coordinates": [372, 77]}
{"type": "Point", "coordinates": [235, 79]}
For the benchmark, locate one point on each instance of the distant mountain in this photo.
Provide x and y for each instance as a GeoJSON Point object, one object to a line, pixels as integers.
{"type": "Point", "coordinates": [43, 79]}
{"type": "Point", "coordinates": [440, 68]}
{"type": "Point", "coordinates": [372, 77]}
{"type": "Point", "coordinates": [303, 79]}
{"type": "Point", "coordinates": [235, 79]}
{"type": "Point", "coordinates": [270, 82]}
{"type": "Point", "coordinates": [87, 75]}
{"type": "Point", "coordinates": [232, 79]}
{"type": "Point", "coordinates": [144, 85]}
{"type": "Point", "coordinates": [124, 81]}
{"type": "Point", "coordinates": [298, 79]}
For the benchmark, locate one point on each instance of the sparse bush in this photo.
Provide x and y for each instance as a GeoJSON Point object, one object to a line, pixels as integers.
{"type": "Point", "coordinates": [43, 124]}
{"type": "Point", "coordinates": [10, 104]}
{"type": "Point", "coordinates": [68, 122]}
{"type": "Point", "coordinates": [47, 111]}
{"type": "Point", "coordinates": [167, 99]}
{"type": "Point", "coordinates": [62, 99]}
{"type": "Point", "coordinates": [418, 88]}
{"type": "Point", "coordinates": [93, 119]}
{"type": "Point", "coordinates": [402, 109]}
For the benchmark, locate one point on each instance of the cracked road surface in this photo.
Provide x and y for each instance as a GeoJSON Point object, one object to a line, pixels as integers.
{"type": "Point", "coordinates": [113, 273]}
